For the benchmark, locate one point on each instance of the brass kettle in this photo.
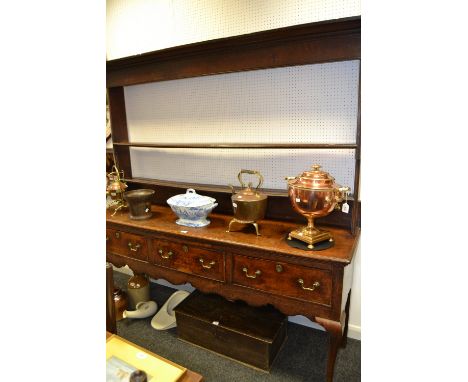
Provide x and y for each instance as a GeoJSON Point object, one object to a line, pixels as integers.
{"type": "Point", "coordinates": [249, 204]}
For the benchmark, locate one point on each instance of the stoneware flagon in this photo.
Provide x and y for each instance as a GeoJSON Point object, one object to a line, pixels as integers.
{"type": "Point", "coordinates": [138, 290]}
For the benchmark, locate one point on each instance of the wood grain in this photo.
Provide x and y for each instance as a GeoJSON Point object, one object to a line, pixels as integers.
{"type": "Point", "coordinates": [272, 239]}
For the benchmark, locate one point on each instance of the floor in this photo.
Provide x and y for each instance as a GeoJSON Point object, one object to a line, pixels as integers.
{"type": "Point", "coordinates": [302, 358]}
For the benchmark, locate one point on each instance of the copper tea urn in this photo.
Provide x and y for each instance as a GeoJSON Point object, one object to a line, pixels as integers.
{"type": "Point", "coordinates": [314, 194]}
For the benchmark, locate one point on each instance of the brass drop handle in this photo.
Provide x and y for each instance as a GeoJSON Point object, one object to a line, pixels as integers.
{"type": "Point", "coordinates": [315, 285]}
{"type": "Point", "coordinates": [107, 238]}
{"type": "Point", "coordinates": [206, 266]}
{"type": "Point", "coordinates": [254, 276]}
{"type": "Point", "coordinates": [133, 247]}
{"type": "Point", "coordinates": [161, 253]}
{"type": "Point", "coordinates": [117, 235]}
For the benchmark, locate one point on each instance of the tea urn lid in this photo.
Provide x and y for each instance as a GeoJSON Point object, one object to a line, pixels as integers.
{"type": "Point", "coordinates": [314, 179]}
{"type": "Point", "coordinates": [190, 199]}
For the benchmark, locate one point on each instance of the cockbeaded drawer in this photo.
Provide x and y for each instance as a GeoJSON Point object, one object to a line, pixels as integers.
{"type": "Point", "coordinates": [126, 244]}
{"type": "Point", "coordinates": [188, 258]}
{"type": "Point", "coordinates": [305, 283]}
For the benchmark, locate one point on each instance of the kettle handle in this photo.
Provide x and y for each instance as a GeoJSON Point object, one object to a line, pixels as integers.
{"type": "Point", "coordinates": [252, 172]}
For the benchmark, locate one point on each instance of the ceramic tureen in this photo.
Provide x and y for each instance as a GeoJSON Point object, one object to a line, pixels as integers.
{"type": "Point", "coordinates": [192, 208]}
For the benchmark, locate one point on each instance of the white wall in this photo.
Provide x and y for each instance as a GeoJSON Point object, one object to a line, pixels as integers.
{"type": "Point", "coordinates": [138, 26]}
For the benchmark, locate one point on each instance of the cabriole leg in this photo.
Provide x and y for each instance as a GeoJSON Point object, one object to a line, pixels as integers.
{"type": "Point", "coordinates": [335, 329]}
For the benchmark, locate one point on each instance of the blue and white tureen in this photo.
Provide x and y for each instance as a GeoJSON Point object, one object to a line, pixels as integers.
{"type": "Point", "coordinates": [192, 208]}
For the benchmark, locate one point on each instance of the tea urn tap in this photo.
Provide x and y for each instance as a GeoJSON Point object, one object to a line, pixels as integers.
{"type": "Point", "coordinates": [249, 204]}
{"type": "Point", "coordinates": [314, 194]}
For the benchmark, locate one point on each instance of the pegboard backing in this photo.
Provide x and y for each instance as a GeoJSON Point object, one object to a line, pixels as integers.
{"type": "Point", "coordinates": [298, 104]}
{"type": "Point", "coordinates": [221, 166]}
{"type": "Point", "coordinates": [138, 26]}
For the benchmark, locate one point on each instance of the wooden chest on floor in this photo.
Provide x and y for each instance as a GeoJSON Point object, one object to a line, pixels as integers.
{"type": "Point", "coordinates": [234, 329]}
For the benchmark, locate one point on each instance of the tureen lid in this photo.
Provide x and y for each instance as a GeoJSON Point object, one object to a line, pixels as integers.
{"type": "Point", "coordinates": [190, 199]}
{"type": "Point", "coordinates": [313, 179]}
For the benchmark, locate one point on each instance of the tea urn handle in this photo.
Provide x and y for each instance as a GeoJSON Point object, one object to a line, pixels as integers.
{"type": "Point", "coordinates": [206, 266]}
{"type": "Point", "coordinates": [254, 276]}
{"type": "Point", "coordinates": [342, 191]}
{"type": "Point", "coordinates": [133, 247]}
{"type": "Point", "coordinates": [252, 172]}
{"type": "Point", "coordinates": [315, 285]}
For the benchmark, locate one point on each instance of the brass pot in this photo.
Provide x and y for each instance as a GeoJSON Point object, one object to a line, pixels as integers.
{"type": "Point", "coordinates": [139, 203]}
{"type": "Point", "coordinates": [313, 194]}
{"type": "Point", "coordinates": [249, 205]}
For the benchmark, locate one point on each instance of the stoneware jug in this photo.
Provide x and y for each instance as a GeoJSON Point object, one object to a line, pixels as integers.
{"type": "Point", "coordinates": [138, 290]}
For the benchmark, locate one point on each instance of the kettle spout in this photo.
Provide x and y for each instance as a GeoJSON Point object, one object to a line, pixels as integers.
{"type": "Point", "coordinates": [232, 189]}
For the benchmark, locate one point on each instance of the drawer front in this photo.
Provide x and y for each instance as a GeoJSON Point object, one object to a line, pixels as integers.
{"type": "Point", "coordinates": [188, 259]}
{"type": "Point", "coordinates": [126, 244]}
{"type": "Point", "coordinates": [305, 283]}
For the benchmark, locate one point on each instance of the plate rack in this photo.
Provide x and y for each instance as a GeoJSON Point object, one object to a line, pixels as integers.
{"type": "Point", "coordinates": [313, 43]}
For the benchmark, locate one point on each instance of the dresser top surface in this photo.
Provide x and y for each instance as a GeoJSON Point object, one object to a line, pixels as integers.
{"type": "Point", "coordinates": [272, 239]}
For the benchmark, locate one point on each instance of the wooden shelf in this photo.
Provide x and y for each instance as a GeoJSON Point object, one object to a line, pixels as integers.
{"type": "Point", "coordinates": [239, 145]}
{"type": "Point", "coordinates": [206, 187]}
{"type": "Point", "coordinates": [324, 41]}
{"type": "Point", "coordinates": [200, 187]}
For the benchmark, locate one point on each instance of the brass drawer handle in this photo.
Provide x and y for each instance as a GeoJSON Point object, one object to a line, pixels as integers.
{"type": "Point", "coordinates": [315, 285]}
{"type": "Point", "coordinates": [117, 235]}
{"type": "Point", "coordinates": [133, 247]}
{"type": "Point", "coordinates": [107, 238]}
{"type": "Point", "coordinates": [161, 253]}
{"type": "Point", "coordinates": [207, 266]}
{"type": "Point", "coordinates": [254, 276]}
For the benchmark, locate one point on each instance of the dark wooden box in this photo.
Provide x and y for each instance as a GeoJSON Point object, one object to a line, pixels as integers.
{"type": "Point", "coordinates": [250, 335]}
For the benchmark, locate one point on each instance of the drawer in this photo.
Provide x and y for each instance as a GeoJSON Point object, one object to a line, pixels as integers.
{"type": "Point", "coordinates": [126, 244]}
{"type": "Point", "coordinates": [305, 283]}
{"type": "Point", "coordinates": [187, 258]}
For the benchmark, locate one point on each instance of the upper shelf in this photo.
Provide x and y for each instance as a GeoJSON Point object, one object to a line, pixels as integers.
{"type": "Point", "coordinates": [324, 41]}
{"type": "Point", "coordinates": [239, 145]}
